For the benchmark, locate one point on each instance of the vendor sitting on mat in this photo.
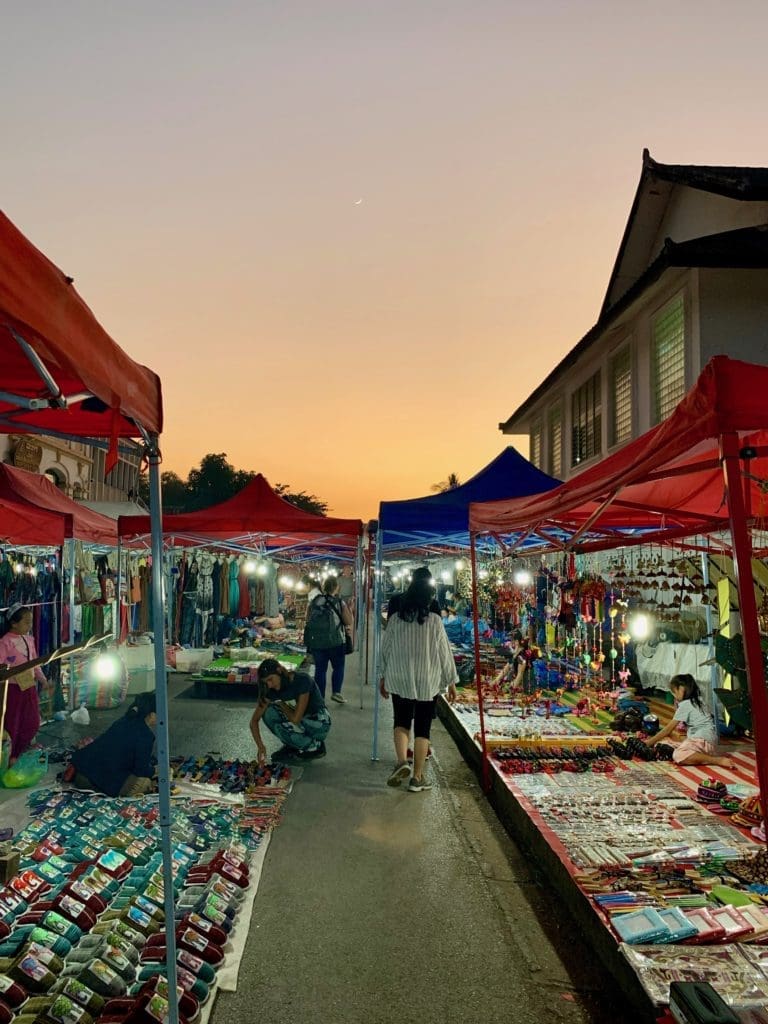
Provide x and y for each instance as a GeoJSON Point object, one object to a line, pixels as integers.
{"type": "Point", "coordinates": [257, 626]}
{"type": "Point", "coordinates": [301, 725]}
{"type": "Point", "coordinates": [119, 762]}
{"type": "Point", "coordinates": [700, 743]}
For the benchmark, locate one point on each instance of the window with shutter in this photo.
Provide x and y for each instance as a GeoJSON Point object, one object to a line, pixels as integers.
{"type": "Point", "coordinates": [555, 461]}
{"type": "Point", "coordinates": [536, 443]}
{"type": "Point", "coordinates": [586, 421]}
{"type": "Point", "coordinates": [621, 397]}
{"type": "Point", "coordinates": [668, 358]}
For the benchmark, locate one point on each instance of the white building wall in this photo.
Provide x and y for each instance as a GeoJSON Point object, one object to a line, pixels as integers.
{"type": "Point", "coordinates": [734, 314]}
{"type": "Point", "coordinates": [692, 213]}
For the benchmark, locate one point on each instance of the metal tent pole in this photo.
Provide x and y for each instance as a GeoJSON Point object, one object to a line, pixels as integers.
{"type": "Point", "coordinates": [367, 606]}
{"type": "Point", "coordinates": [486, 775]}
{"type": "Point", "coordinates": [359, 612]}
{"type": "Point", "coordinates": [730, 457]}
{"type": "Point", "coordinates": [376, 646]}
{"type": "Point", "coordinates": [161, 696]}
{"type": "Point", "coordinates": [70, 548]}
{"type": "Point", "coordinates": [117, 624]}
{"type": "Point", "coordinates": [713, 673]}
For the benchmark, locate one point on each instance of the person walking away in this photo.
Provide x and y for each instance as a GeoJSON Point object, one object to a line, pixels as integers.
{"type": "Point", "coordinates": [22, 712]}
{"type": "Point", "coordinates": [417, 665]}
{"type": "Point", "coordinates": [119, 762]}
{"type": "Point", "coordinates": [292, 709]}
{"type": "Point", "coordinates": [328, 619]}
{"type": "Point", "coordinates": [700, 743]}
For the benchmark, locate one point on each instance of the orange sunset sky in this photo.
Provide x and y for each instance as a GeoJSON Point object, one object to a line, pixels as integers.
{"type": "Point", "coordinates": [352, 236]}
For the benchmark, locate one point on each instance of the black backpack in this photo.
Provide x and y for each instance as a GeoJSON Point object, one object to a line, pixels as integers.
{"type": "Point", "coordinates": [324, 628]}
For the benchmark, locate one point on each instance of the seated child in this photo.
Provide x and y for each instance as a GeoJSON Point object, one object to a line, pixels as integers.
{"type": "Point", "coordinates": [700, 743]}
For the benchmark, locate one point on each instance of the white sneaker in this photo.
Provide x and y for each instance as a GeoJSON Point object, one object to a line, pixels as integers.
{"type": "Point", "coordinates": [418, 785]}
{"type": "Point", "coordinates": [339, 698]}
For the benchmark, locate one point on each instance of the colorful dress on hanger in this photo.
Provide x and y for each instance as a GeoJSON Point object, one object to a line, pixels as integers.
{"type": "Point", "coordinates": [234, 587]}
{"type": "Point", "coordinates": [22, 713]}
{"type": "Point", "coordinates": [244, 602]}
{"type": "Point", "coordinates": [224, 587]}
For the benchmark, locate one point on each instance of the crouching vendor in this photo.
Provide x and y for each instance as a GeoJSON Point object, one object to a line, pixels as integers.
{"type": "Point", "coordinates": [119, 762]}
{"type": "Point", "coordinates": [291, 707]}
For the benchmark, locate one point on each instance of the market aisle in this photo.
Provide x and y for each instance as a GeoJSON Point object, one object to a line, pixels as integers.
{"type": "Point", "coordinates": [379, 905]}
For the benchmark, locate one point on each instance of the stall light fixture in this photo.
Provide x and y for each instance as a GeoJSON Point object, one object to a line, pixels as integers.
{"type": "Point", "coordinates": [301, 586]}
{"type": "Point", "coordinates": [460, 564]}
{"type": "Point", "coordinates": [262, 569]}
{"type": "Point", "coordinates": [19, 568]}
{"type": "Point", "coordinates": [523, 578]}
{"type": "Point", "coordinates": [639, 626]}
{"type": "Point", "coordinates": [483, 574]}
{"type": "Point", "coordinates": [250, 567]}
{"type": "Point", "coordinates": [287, 583]}
{"type": "Point", "coordinates": [106, 668]}
{"type": "Point", "coordinates": [445, 576]}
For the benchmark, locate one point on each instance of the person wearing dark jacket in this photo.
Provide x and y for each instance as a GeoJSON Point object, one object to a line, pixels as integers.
{"type": "Point", "coordinates": [119, 762]}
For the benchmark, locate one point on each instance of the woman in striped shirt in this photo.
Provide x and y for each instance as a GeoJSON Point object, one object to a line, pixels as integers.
{"type": "Point", "coordinates": [417, 665]}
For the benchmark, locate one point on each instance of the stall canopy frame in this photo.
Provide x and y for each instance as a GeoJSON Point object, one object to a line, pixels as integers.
{"type": "Point", "coordinates": [437, 525]}
{"type": "Point", "coordinates": [63, 375]}
{"type": "Point", "coordinates": [703, 470]}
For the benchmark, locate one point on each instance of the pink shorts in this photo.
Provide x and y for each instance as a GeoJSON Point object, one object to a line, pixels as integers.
{"type": "Point", "coordinates": [687, 747]}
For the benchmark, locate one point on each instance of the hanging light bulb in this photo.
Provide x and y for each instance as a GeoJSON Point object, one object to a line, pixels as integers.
{"type": "Point", "coordinates": [445, 576]}
{"type": "Point", "coordinates": [19, 568]}
{"type": "Point", "coordinates": [286, 582]}
{"type": "Point", "coordinates": [250, 567]}
{"type": "Point", "coordinates": [262, 569]}
{"type": "Point", "coordinates": [460, 564]}
{"type": "Point", "coordinates": [483, 574]}
{"type": "Point", "coordinates": [640, 626]}
{"type": "Point", "coordinates": [523, 578]}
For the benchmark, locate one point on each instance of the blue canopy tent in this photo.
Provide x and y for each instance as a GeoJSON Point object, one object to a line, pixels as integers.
{"type": "Point", "coordinates": [442, 520]}
{"type": "Point", "coordinates": [439, 523]}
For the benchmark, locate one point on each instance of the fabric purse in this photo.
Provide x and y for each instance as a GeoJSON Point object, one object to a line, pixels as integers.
{"type": "Point", "coordinates": [349, 643]}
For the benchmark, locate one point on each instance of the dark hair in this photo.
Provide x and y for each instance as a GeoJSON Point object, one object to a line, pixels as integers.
{"type": "Point", "coordinates": [143, 704]}
{"type": "Point", "coordinates": [416, 601]}
{"type": "Point", "coordinates": [270, 667]}
{"type": "Point", "coordinates": [18, 615]}
{"type": "Point", "coordinates": [689, 687]}
{"type": "Point", "coordinates": [422, 573]}
{"type": "Point", "coordinates": [330, 586]}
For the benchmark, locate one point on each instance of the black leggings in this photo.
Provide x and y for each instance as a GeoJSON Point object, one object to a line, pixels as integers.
{"type": "Point", "coordinates": [418, 712]}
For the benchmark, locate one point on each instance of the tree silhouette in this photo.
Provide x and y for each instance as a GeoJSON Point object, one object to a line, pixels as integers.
{"type": "Point", "coordinates": [449, 484]}
{"type": "Point", "coordinates": [215, 480]}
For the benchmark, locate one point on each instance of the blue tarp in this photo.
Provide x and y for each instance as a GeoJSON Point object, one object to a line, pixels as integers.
{"type": "Point", "coordinates": [443, 519]}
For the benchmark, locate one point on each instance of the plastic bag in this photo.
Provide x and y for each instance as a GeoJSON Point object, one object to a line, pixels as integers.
{"type": "Point", "coordinates": [28, 770]}
{"type": "Point", "coordinates": [81, 716]}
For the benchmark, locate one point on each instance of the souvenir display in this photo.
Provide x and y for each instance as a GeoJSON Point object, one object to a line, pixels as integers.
{"type": "Point", "coordinates": [83, 920]}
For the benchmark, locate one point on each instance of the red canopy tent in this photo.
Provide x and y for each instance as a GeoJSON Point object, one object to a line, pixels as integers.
{"type": "Point", "coordinates": [669, 481]}
{"type": "Point", "coordinates": [64, 375]}
{"type": "Point", "coordinates": [703, 470]}
{"type": "Point", "coordinates": [24, 526]}
{"type": "Point", "coordinates": [36, 493]}
{"type": "Point", "coordinates": [255, 515]}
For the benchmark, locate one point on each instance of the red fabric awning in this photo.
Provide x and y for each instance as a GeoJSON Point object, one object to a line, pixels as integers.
{"type": "Point", "coordinates": [40, 304]}
{"type": "Point", "coordinates": [255, 512]}
{"type": "Point", "coordinates": [37, 494]}
{"type": "Point", "coordinates": [669, 479]}
{"type": "Point", "coordinates": [21, 525]}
